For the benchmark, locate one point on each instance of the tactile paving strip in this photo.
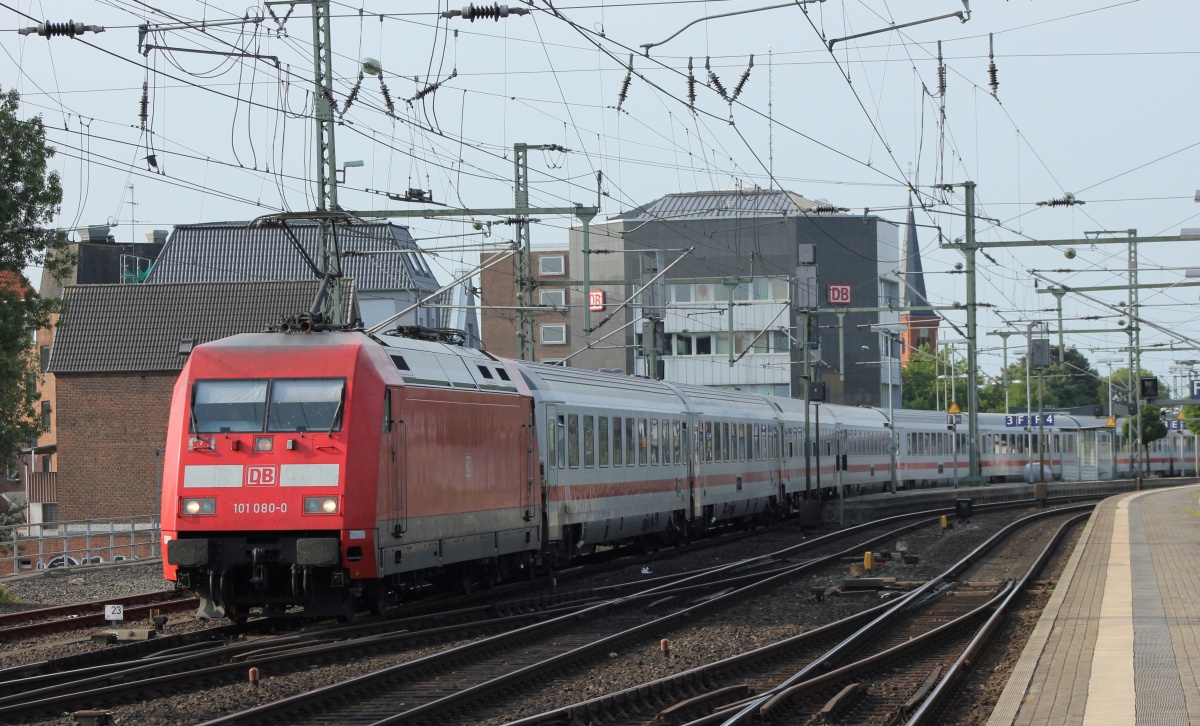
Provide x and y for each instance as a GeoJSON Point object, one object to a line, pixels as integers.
{"type": "Point", "coordinates": [1160, 700]}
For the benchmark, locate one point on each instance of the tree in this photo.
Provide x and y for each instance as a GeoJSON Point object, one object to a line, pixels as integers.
{"type": "Point", "coordinates": [1191, 415]}
{"type": "Point", "coordinates": [1069, 382]}
{"type": "Point", "coordinates": [1153, 429]}
{"type": "Point", "coordinates": [926, 380]}
{"type": "Point", "coordinates": [1120, 386]}
{"type": "Point", "coordinates": [30, 194]}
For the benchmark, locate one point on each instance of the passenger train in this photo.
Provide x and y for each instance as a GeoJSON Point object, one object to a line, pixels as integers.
{"type": "Point", "coordinates": [315, 472]}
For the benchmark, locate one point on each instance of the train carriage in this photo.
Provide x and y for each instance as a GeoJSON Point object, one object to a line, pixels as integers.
{"type": "Point", "coordinates": [314, 473]}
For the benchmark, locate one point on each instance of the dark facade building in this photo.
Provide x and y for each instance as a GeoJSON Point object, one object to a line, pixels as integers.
{"type": "Point", "coordinates": [741, 262]}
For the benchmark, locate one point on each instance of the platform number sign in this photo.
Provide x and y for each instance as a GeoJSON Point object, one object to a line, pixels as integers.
{"type": "Point", "coordinates": [114, 612]}
{"type": "Point", "coordinates": [1196, 388]}
{"type": "Point", "coordinates": [839, 294]}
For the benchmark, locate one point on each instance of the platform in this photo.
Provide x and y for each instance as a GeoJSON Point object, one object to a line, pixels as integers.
{"type": "Point", "coordinates": [1119, 640]}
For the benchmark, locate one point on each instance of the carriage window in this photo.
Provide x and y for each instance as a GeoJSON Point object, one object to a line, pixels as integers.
{"type": "Point", "coordinates": [630, 443]}
{"type": "Point", "coordinates": [741, 442]}
{"type": "Point", "coordinates": [617, 451]}
{"type": "Point", "coordinates": [560, 433]}
{"type": "Point", "coordinates": [604, 441]}
{"type": "Point", "coordinates": [654, 442]}
{"type": "Point", "coordinates": [643, 446]}
{"type": "Point", "coordinates": [551, 439]}
{"type": "Point", "coordinates": [229, 406]}
{"type": "Point", "coordinates": [305, 405]}
{"type": "Point", "coordinates": [573, 439]}
{"type": "Point", "coordinates": [589, 441]}
{"type": "Point", "coordinates": [724, 435]}
{"type": "Point", "coordinates": [718, 444]}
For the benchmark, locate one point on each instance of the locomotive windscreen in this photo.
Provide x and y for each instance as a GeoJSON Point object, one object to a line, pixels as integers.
{"type": "Point", "coordinates": [276, 405]}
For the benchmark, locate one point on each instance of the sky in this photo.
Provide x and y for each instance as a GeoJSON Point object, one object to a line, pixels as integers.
{"type": "Point", "coordinates": [1095, 99]}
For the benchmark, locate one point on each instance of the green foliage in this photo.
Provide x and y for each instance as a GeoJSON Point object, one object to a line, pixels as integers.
{"type": "Point", "coordinates": [1192, 411]}
{"type": "Point", "coordinates": [7, 597]}
{"type": "Point", "coordinates": [1121, 391]}
{"type": "Point", "coordinates": [1153, 427]}
{"type": "Point", "coordinates": [30, 192]}
{"type": "Point", "coordinates": [1070, 381]}
{"type": "Point", "coordinates": [30, 195]}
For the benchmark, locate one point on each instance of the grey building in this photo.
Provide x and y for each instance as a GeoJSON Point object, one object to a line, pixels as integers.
{"type": "Point", "coordinates": [389, 270]}
{"type": "Point", "coordinates": [729, 306]}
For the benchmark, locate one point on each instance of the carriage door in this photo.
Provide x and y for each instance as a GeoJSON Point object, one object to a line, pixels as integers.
{"type": "Point", "coordinates": [556, 456]}
{"type": "Point", "coordinates": [395, 436]}
{"type": "Point", "coordinates": [528, 471]}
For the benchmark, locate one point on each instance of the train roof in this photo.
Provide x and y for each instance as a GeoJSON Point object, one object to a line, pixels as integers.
{"type": "Point", "coordinates": [558, 384]}
{"type": "Point", "coordinates": [427, 363]}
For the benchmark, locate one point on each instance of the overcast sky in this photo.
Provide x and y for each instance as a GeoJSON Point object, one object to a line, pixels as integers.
{"type": "Point", "coordinates": [1095, 98]}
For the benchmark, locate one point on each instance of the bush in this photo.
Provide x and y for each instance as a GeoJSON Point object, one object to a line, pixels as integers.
{"type": "Point", "coordinates": [7, 597]}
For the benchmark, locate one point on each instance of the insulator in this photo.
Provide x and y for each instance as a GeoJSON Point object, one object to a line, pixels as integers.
{"type": "Point", "coordinates": [328, 96]}
{"type": "Point", "coordinates": [387, 97]}
{"type": "Point", "coordinates": [737, 90]}
{"type": "Point", "coordinates": [714, 81]}
{"type": "Point", "coordinates": [495, 11]}
{"type": "Point", "coordinates": [143, 113]}
{"type": "Point", "coordinates": [992, 80]}
{"type": "Point", "coordinates": [353, 93]}
{"type": "Point", "coordinates": [625, 84]}
{"type": "Point", "coordinates": [941, 72]}
{"type": "Point", "coordinates": [691, 84]}
{"type": "Point", "coordinates": [69, 29]}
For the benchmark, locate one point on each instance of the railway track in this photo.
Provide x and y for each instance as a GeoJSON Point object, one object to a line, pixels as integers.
{"type": "Point", "coordinates": [616, 616]}
{"type": "Point", "coordinates": [891, 664]}
{"type": "Point", "coordinates": [27, 623]}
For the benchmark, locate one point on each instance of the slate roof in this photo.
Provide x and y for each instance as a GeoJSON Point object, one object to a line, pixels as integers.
{"type": "Point", "coordinates": [914, 275]}
{"type": "Point", "coordinates": [721, 204]}
{"type": "Point", "coordinates": [234, 251]}
{"type": "Point", "coordinates": [137, 328]}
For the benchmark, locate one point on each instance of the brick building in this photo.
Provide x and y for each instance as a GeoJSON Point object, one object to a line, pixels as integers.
{"type": "Point", "coordinates": [498, 298]}
{"type": "Point", "coordinates": [116, 355]}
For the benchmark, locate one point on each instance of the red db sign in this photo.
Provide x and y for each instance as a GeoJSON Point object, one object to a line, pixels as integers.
{"type": "Point", "coordinates": [596, 301]}
{"type": "Point", "coordinates": [839, 294]}
{"type": "Point", "coordinates": [262, 476]}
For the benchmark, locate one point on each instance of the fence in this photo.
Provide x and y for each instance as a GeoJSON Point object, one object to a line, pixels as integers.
{"type": "Point", "coordinates": [25, 547]}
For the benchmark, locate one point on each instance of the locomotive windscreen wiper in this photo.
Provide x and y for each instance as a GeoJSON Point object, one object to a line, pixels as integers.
{"type": "Point", "coordinates": [336, 412]}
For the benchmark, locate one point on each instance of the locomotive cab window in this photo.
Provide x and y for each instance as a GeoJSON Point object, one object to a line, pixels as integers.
{"type": "Point", "coordinates": [305, 405]}
{"type": "Point", "coordinates": [229, 406]}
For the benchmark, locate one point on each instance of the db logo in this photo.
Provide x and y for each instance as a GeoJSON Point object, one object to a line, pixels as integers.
{"type": "Point", "coordinates": [839, 294]}
{"type": "Point", "coordinates": [262, 476]}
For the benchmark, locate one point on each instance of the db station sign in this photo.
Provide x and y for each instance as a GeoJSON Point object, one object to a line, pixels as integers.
{"type": "Point", "coordinates": [596, 301]}
{"type": "Point", "coordinates": [839, 294]}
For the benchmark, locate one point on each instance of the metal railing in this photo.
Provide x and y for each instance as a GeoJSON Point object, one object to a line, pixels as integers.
{"type": "Point", "coordinates": [25, 547]}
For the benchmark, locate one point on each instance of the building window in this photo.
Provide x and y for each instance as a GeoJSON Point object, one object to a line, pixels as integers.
{"type": "Point", "coordinates": [556, 298]}
{"type": "Point", "coordinates": [552, 265]}
{"type": "Point", "coordinates": [45, 357]}
{"type": "Point", "coordinates": [889, 293]}
{"type": "Point", "coordinates": [45, 415]}
{"type": "Point", "coordinates": [554, 334]}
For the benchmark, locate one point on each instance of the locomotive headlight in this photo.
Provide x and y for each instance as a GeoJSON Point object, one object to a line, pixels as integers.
{"type": "Point", "coordinates": [264, 443]}
{"type": "Point", "coordinates": [199, 506]}
{"type": "Point", "coordinates": [320, 505]}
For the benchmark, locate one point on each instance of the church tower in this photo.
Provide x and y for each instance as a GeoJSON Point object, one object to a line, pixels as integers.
{"type": "Point", "coordinates": [919, 325]}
